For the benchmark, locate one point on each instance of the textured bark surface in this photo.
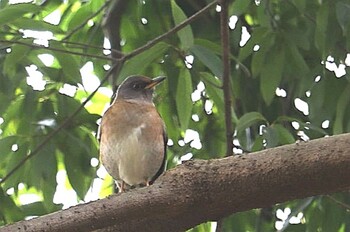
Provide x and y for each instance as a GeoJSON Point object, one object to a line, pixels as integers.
{"type": "Point", "coordinates": [199, 191]}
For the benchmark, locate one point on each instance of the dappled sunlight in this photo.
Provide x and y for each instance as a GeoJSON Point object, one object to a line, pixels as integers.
{"type": "Point", "coordinates": [283, 215]}
{"type": "Point", "coordinates": [64, 193]}
{"type": "Point", "coordinates": [89, 80]}
{"type": "Point", "coordinates": [301, 106]}
{"type": "Point", "coordinates": [35, 78]}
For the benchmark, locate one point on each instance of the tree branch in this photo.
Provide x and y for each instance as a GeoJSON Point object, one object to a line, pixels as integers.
{"type": "Point", "coordinates": [81, 25]}
{"type": "Point", "coordinates": [199, 191]}
{"type": "Point", "coordinates": [50, 48]}
{"type": "Point", "coordinates": [71, 44]}
{"type": "Point", "coordinates": [170, 32]}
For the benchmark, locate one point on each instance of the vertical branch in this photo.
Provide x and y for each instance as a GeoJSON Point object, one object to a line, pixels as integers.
{"type": "Point", "coordinates": [111, 27]}
{"type": "Point", "coordinates": [226, 75]}
{"type": "Point", "coordinates": [225, 44]}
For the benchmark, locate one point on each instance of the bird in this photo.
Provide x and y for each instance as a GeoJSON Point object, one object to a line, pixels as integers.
{"type": "Point", "coordinates": [132, 134]}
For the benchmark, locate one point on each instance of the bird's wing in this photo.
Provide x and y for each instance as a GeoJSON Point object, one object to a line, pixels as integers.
{"type": "Point", "coordinates": [99, 128]}
{"type": "Point", "coordinates": [163, 166]}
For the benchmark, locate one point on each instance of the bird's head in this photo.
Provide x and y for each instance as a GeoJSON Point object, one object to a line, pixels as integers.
{"type": "Point", "coordinates": [138, 88]}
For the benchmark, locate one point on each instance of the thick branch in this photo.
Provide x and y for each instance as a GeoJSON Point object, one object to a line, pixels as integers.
{"type": "Point", "coordinates": [200, 190]}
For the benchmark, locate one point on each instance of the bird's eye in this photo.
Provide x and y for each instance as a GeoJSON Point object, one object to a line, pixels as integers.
{"type": "Point", "coordinates": [137, 86]}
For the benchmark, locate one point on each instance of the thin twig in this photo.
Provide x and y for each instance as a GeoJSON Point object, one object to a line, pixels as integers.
{"type": "Point", "coordinates": [79, 45]}
{"type": "Point", "coordinates": [170, 32]}
{"type": "Point", "coordinates": [77, 28]}
{"type": "Point", "coordinates": [342, 204]}
{"type": "Point", "coordinates": [83, 45]}
{"type": "Point", "coordinates": [114, 68]}
{"type": "Point", "coordinates": [37, 46]}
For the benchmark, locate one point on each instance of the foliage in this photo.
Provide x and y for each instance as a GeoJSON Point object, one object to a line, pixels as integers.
{"type": "Point", "coordinates": [296, 52]}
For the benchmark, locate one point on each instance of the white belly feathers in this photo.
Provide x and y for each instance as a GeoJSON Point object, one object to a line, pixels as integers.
{"type": "Point", "coordinates": [131, 164]}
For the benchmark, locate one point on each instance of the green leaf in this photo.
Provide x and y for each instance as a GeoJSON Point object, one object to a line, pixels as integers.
{"type": "Point", "coordinates": [284, 135]}
{"type": "Point", "coordinates": [212, 87]}
{"type": "Point", "coordinates": [14, 11]}
{"type": "Point", "coordinates": [271, 136]}
{"type": "Point", "coordinates": [249, 119]}
{"type": "Point", "coordinates": [212, 46]}
{"type": "Point", "coordinates": [77, 156]}
{"type": "Point", "coordinates": [258, 144]}
{"type": "Point", "coordinates": [137, 64]}
{"type": "Point", "coordinates": [3, 3]}
{"type": "Point", "coordinates": [256, 38]}
{"type": "Point", "coordinates": [321, 27]}
{"type": "Point", "coordinates": [261, 56]}
{"type": "Point", "coordinates": [6, 145]}
{"type": "Point", "coordinates": [202, 227]}
{"type": "Point", "coordinates": [298, 37]}
{"type": "Point", "coordinates": [271, 75]}
{"type": "Point", "coordinates": [68, 62]}
{"type": "Point", "coordinates": [66, 104]}
{"type": "Point", "coordinates": [14, 159]}
{"type": "Point", "coordinates": [31, 24]}
{"type": "Point", "coordinates": [9, 210]}
{"type": "Point", "coordinates": [43, 173]}
{"type": "Point", "coordinates": [300, 4]}
{"type": "Point", "coordinates": [81, 15]}
{"type": "Point", "coordinates": [37, 209]}
{"type": "Point", "coordinates": [184, 103]}
{"type": "Point", "coordinates": [333, 215]}
{"type": "Point", "coordinates": [209, 59]}
{"type": "Point", "coordinates": [166, 106]}
{"type": "Point", "coordinates": [185, 34]}
{"type": "Point", "coordinates": [241, 221]}
{"type": "Point", "coordinates": [342, 105]}
{"type": "Point", "coordinates": [313, 216]}
{"type": "Point", "coordinates": [343, 16]}
{"type": "Point", "coordinates": [18, 52]}
{"type": "Point", "coordinates": [296, 58]}
{"type": "Point", "coordinates": [239, 7]}
{"type": "Point", "coordinates": [265, 20]}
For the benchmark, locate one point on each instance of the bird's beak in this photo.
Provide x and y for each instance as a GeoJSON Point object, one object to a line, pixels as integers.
{"type": "Point", "coordinates": [155, 82]}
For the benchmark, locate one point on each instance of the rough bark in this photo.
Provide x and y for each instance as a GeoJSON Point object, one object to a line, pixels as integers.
{"type": "Point", "coordinates": [199, 190]}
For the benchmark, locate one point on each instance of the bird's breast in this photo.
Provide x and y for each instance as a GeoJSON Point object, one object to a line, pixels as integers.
{"type": "Point", "coordinates": [132, 145]}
